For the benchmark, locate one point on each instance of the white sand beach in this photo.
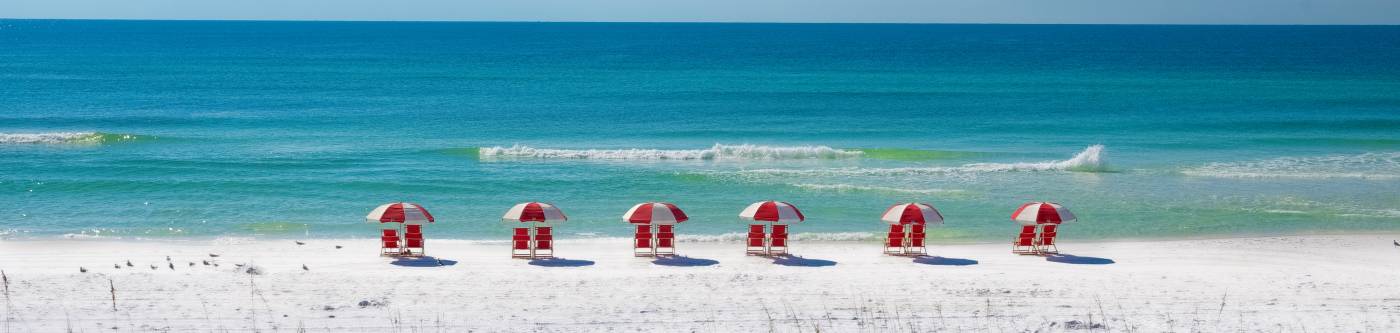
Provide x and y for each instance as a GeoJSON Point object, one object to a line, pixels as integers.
{"type": "Point", "coordinates": [1291, 284]}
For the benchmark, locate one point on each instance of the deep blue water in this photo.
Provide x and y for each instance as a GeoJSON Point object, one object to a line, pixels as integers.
{"type": "Point", "coordinates": [194, 129]}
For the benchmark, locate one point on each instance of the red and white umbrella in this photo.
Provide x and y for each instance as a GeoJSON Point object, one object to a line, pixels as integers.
{"type": "Point", "coordinates": [772, 211]}
{"type": "Point", "coordinates": [658, 213]}
{"type": "Point", "coordinates": [535, 212]}
{"type": "Point", "coordinates": [1034, 213]}
{"type": "Point", "coordinates": [400, 212]}
{"type": "Point", "coordinates": [912, 213]}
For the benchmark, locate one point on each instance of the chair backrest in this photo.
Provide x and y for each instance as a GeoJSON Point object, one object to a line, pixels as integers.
{"type": "Point", "coordinates": [544, 244]}
{"type": "Point", "coordinates": [412, 236]}
{"type": "Point", "coordinates": [779, 242]}
{"type": "Point", "coordinates": [1025, 241]}
{"type": "Point", "coordinates": [414, 242]}
{"type": "Point", "coordinates": [665, 228]}
{"type": "Point", "coordinates": [1047, 238]}
{"type": "Point", "coordinates": [665, 235]}
{"type": "Point", "coordinates": [1029, 229]}
{"type": "Point", "coordinates": [916, 242]}
{"type": "Point", "coordinates": [644, 235]}
{"type": "Point", "coordinates": [757, 228]}
{"type": "Point", "coordinates": [643, 242]}
{"type": "Point", "coordinates": [1049, 228]}
{"type": "Point", "coordinates": [391, 243]}
{"type": "Point", "coordinates": [916, 229]}
{"type": "Point", "coordinates": [543, 231]}
{"type": "Point", "coordinates": [522, 232]}
{"type": "Point", "coordinates": [643, 229]}
{"type": "Point", "coordinates": [521, 243]}
{"type": "Point", "coordinates": [779, 229]}
{"type": "Point", "coordinates": [665, 242]}
{"type": "Point", "coordinates": [896, 228]}
{"type": "Point", "coordinates": [756, 241]}
{"type": "Point", "coordinates": [390, 233]}
{"type": "Point", "coordinates": [413, 228]}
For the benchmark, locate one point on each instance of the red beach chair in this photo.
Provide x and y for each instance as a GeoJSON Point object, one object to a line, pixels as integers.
{"type": "Point", "coordinates": [1046, 242]}
{"type": "Point", "coordinates": [520, 243]}
{"type": "Point", "coordinates": [413, 239]}
{"type": "Point", "coordinates": [389, 241]}
{"type": "Point", "coordinates": [757, 240]}
{"type": "Point", "coordinates": [642, 246]}
{"type": "Point", "coordinates": [894, 241]}
{"type": "Point", "coordinates": [916, 240]}
{"type": "Point", "coordinates": [1024, 242]}
{"type": "Point", "coordinates": [544, 242]}
{"type": "Point", "coordinates": [778, 244]}
{"type": "Point", "coordinates": [665, 240]}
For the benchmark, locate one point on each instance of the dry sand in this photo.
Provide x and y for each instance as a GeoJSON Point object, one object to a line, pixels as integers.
{"type": "Point", "coordinates": [1304, 283]}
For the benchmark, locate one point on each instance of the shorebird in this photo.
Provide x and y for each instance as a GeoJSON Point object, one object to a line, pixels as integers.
{"type": "Point", "coordinates": [206, 262]}
{"type": "Point", "coordinates": [191, 264]}
{"type": "Point", "coordinates": [304, 268]}
{"type": "Point", "coordinates": [337, 247]}
{"type": "Point", "coordinates": [167, 258]}
{"type": "Point", "coordinates": [82, 269]}
{"type": "Point", "coordinates": [128, 264]}
{"type": "Point", "coordinates": [300, 243]}
{"type": "Point", "coordinates": [1397, 242]}
{"type": "Point", "coordinates": [172, 266]}
{"type": "Point", "coordinates": [153, 267]}
{"type": "Point", "coordinates": [212, 255]}
{"type": "Point", "coordinates": [117, 266]}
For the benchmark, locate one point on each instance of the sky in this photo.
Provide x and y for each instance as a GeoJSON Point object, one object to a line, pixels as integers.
{"type": "Point", "coordinates": [842, 11]}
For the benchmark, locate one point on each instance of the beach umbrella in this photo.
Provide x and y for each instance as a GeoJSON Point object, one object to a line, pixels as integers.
{"type": "Point", "coordinates": [400, 212]}
{"type": "Point", "coordinates": [1034, 213]}
{"type": "Point", "coordinates": [657, 213]}
{"type": "Point", "coordinates": [535, 212]}
{"type": "Point", "coordinates": [772, 211]}
{"type": "Point", "coordinates": [912, 213]}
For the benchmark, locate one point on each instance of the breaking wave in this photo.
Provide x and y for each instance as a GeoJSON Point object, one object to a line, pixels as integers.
{"type": "Point", "coordinates": [881, 189]}
{"type": "Point", "coordinates": [1368, 166]}
{"type": "Point", "coordinates": [717, 152]}
{"type": "Point", "coordinates": [67, 138]}
{"type": "Point", "coordinates": [1091, 159]}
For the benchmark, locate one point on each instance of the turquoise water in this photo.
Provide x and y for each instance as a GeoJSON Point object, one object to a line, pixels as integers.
{"type": "Point", "coordinates": [144, 129]}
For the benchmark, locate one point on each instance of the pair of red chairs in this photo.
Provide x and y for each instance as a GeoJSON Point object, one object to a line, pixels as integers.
{"type": "Point", "coordinates": [541, 246]}
{"type": "Point", "coordinates": [901, 243]}
{"type": "Point", "coordinates": [1028, 243]}
{"type": "Point", "coordinates": [412, 242]}
{"type": "Point", "coordinates": [760, 243]}
{"type": "Point", "coordinates": [664, 242]}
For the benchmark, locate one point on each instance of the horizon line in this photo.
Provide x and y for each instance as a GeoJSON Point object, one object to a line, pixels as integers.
{"type": "Point", "coordinates": [690, 22]}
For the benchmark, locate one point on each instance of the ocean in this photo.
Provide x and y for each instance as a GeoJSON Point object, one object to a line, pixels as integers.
{"type": "Point", "coordinates": [195, 129]}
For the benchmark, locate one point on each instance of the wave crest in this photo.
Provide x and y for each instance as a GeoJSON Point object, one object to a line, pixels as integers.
{"type": "Point", "coordinates": [717, 152]}
{"type": "Point", "coordinates": [1091, 159]}
{"type": "Point", "coordinates": [1368, 166]}
{"type": "Point", "coordinates": [66, 138]}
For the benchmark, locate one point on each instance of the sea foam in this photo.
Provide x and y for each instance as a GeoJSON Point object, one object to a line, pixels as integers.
{"type": "Point", "coordinates": [64, 138]}
{"type": "Point", "coordinates": [1367, 166]}
{"type": "Point", "coordinates": [1091, 159]}
{"type": "Point", "coordinates": [717, 152]}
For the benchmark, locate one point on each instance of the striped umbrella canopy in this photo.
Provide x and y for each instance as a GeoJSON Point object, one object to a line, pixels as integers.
{"type": "Point", "coordinates": [772, 211]}
{"type": "Point", "coordinates": [535, 212]}
{"type": "Point", "coordinates": [657, 213]}
{"type": "Point", "coordinates": [400, 212]}
{"type": "Point", "coordinates": [912, 213]}
{"type": "Point", "coordinates": [1034, 213]}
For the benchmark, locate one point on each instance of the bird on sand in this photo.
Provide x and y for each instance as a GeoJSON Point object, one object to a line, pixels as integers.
{"type": "Point", "coordinates": [300, 242]}
{"type": "Point", "coordinates": [153, 267]}
{"type": "Point", "coordinates": [117, 266]}
{"type": "Point", "coordinates": [128, 264]}
{"type": "Point", "coordinates": [212, 255]}
{"type": "Point", "coordinates": [82, 269]}
{"type": "Point", "coordinates": [172, 266]}
{"type": "Point", "coordinates": [1397, 242]}
{"type": "Point", "coordinates": [191, 264]}
{"type": "Point", "coordinates": [337, 247]}
{"type": "Point", "coordinates": [206, 262]}
{"type": "Point", "coordinates": [304, 268]}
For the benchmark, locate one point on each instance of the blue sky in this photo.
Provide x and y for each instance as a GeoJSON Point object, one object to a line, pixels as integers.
{"type": "Point", "coordinates": [912, 11]}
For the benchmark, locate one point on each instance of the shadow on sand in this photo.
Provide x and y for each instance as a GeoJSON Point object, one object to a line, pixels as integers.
{"type": "Point", "coordinates": [1077, 260]}
{"type": "Point", "coordinates": [423, 262]}
{"type": "Point", "coordinates": [683, 261]}
{"type": "Point", "coordinates": [561, 262]}
{"type": "Point", "coordinates": [943, 261]}
{"type": "Point", "coordinates": [791, 260]}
